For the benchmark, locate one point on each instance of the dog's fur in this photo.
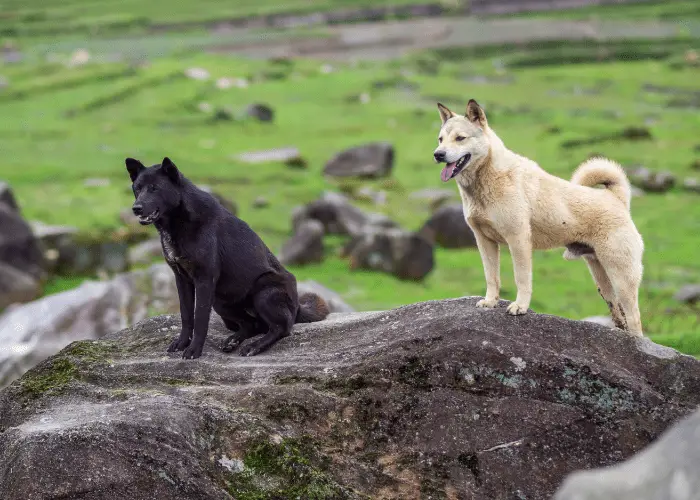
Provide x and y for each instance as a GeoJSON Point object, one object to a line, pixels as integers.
{"type": "Point", "coordinates": [510, 200]}
{"type": "Point", "coordinates": [218, 262]}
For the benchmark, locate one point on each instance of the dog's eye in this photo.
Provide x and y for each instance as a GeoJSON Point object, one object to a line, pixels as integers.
{"type": "Point", "coordinates": [460, 138]}
{"type": "Point", "coordinates": [440, 140]}
{"type": "Point", "coordinates": [151, 188]}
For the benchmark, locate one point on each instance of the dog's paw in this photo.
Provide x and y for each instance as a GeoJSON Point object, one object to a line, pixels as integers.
{"type": "Point", "coordinates": [231, 343]}
{"type": "Point", "coordinates": [515, 309]}
{"type": "Point", "coordinates": [251, 350]}
{"type": "Point", "coordinates": [193, 352]}
{"type": "Point", "coordinates": [178, 344]}
{"type": "Point", "coordinates": [487, 303]}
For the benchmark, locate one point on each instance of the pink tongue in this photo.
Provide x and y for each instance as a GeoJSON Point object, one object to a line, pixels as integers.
{"type": "Point", "coordinates": [446, 173]}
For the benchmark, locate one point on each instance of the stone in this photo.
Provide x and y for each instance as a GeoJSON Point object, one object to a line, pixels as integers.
{"type": "Point", "coordinates": [373, 160]}
{"type": "Point", "coordinates": [448, 228]}
{"type": "Point", "coordinates": [339, 216]}
{"type": "Point", "coordinates": [366, 193]}
{"type": "Point", "coordinates": [57, 244]}
{"type": "Point", "coordinates": [260, 112]}
{"type": "Point", "coordinates": [691, 184]}
{"type": "Point", "coordinates": [261, 202]}
{"type": "Point", "coordinates": [408, 256]}
{"type": "Point", "coordinates": [437, 399]}
{"type": "Point", "coordinates": [16, 286]}
{"type": "Point", "coordinates": [19, 247]}
{"type": "Point", "coordinates": [41, 328]}
{"type": "Point", "coordinates": [278, 155]}
{"type": "Point", "coordinates": [689, 294]}
{"type": "Point", "coordinates": [651, 181]}
{"type": "Point", "coordinates": [96, 182]}
{"type": "Point", "coordinates": [305, 246]}
{"type": "Point", "coordinates": [335, 302]}
{"type": "Point", "coordinates": [435, 197]}
{"type": "Point", "coordinates": [145, 252]}
{"type": "Point", "coordinates": [7, 197]}
{"type": "Point", "coordinates": [669, 468]}
{"type": "Point", "coordinates": [197, 74]}
{"type": "Point", "coordinates": [227, 204]}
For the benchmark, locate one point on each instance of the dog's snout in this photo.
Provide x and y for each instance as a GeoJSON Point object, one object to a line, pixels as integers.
{"type": "Point", "coordinates": [439, 155]}
{"type": "Point", "coordinates": [137, 208]}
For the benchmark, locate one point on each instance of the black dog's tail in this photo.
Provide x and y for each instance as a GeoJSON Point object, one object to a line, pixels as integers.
{"type": "Point", "coordinates": [311, 308]}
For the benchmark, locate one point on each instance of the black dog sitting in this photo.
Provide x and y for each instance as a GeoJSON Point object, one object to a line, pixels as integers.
{"type": "Point", "coordinates": [218, 262]}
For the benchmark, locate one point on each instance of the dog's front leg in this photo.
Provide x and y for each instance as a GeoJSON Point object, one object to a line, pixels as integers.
{"type": "Point", "coordinates": [204, 300]}
{"type": "Point", "coordinates": [185, 292]}
{"type": "Point", "coordinates": [490, 258]}
{"type": "Point", "coordinates": [521, 250]}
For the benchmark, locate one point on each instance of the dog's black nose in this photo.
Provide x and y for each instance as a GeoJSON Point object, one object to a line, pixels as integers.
{"type": "Point", "coordinates": [137, 208]}
{"type": "Point", "coordinates": [439, 155]}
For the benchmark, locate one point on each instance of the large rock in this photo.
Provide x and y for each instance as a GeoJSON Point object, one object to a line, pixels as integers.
{"type": "Point", "coordinates": [689, 294]}
{"type": "Point", "coordinates": [305, 246]}
{"type": "Point", "coordinates": [368, 161]}
{"type": "Point", "coordinates": [668, 469]}
{"type": "Point", "coordinates": [7, 196]}
{"type": "Point", "coordinates": [19, 247]}
{"type": "Point", "coordinates": [339, 216]}
{"type": "Point", "coordinates": [432, 400]}
{"type": "Point", "coordinates": [651, 181]}
{"type": "Point", "coordinates": [16, 286]}
{"type": "Point", "coordinates": [33, 331]}
{"type": "Point", "coordinates": [448, 228]}
{"type": "Point", "coordinates": [407, 256]}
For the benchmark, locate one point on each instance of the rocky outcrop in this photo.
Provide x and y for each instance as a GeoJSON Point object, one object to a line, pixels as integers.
{"type": "Point", "coordinates": [437, 399]}
{"type": "Point", "coordinates": [368, 161]}
{"type": "Point", "coordinates": [667, 469]}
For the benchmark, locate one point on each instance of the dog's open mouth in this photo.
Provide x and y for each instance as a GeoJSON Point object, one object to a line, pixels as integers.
{"type": "Point", "coordinates": [145, 220]}
{"type": "Point", "coordinates": [452, 169]}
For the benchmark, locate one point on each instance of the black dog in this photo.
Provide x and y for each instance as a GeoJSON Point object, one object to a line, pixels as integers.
{"type": "Point", "coordinates": [218, 262]}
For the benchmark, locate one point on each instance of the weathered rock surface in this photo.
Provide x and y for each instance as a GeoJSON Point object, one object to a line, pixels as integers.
{"type": "Point", "coordinates": [406, 255]}
{"type": "Point", "coordinates": [369, 161]}
{"type": "Point", "coordinates": [437, 399]}
{"type": "Point", "coordinates": [31, 332]}
{"type": "Point", "coordinates": [305, 246]}
{"type": "Point", "coordinates": [668, 469]}
{"type": "Point", "coordinates": [339, 216]}
{"type": "Point", "coordinates": [448, 228]}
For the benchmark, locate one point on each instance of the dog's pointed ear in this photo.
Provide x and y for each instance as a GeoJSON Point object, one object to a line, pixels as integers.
{"type": "Point", "coordinates": [169, 169]}
{"type": "Point", "coordinates": [134, 167]}
{"type": "Point", "coordinates": [475, 114]}
{"type": "Point", "coordinates": [445, 113]}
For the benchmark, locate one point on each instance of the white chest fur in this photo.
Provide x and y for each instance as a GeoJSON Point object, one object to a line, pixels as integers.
{"type": "Point", "coordinates": [169, 249]}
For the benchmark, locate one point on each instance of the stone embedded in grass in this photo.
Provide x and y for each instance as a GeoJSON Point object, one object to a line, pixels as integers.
{"type": "Point", "coordinates": [689, 294]}
{"type": "Point", "coordinates": [649, 180]}
{"type": "Point", "coordinates": [372, 160]}
{"type": "Point", "coordinates": [692, 184]}
{"type": "Point", "coordinates": [305, 246]}
{"type": "Point", "coordinates": [448, 229]}
{"type": "Point", "coordinates": [96, 182]}
{"type": "Point", "coordinates": [260, 112]}
{"type": "Point", "coordinates": [197, 74]}
{"type": "Point", "coordinates": [261, 202]}
{"type": "Point", "coordinates": [288, 155]}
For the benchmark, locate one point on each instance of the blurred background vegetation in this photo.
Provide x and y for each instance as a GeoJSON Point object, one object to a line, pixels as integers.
{"type": "Point", "coordinates": [85, 83]}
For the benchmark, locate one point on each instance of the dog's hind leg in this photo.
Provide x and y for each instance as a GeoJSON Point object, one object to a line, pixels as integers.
{"type": "Point", "coordinates": [244, 327]}
{"type": "Point", "coordinates": [274, 309]}
{"type": "Point", "coordinates": [624, 268]}
{"type": "Point", "coordinates": [605, 289]}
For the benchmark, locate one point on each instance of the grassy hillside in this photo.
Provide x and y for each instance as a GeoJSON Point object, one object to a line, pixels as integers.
{"type": "Point", "coordinates": [66, 124]}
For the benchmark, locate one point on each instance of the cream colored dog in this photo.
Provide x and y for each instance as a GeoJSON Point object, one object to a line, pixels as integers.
{"type": "Point", "coordinates": [510, 200]}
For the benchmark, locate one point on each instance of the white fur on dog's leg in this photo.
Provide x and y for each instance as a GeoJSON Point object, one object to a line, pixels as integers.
{"type": "Point", "coordinates": [516, 309]}
{"type": "Point", "coordinates": [487, 303]}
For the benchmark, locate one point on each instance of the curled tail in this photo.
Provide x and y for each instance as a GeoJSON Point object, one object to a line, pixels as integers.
{"type": "Point", "coordinates": [606, 172]}
{"type": "Point", "coordinates": [311, 308]}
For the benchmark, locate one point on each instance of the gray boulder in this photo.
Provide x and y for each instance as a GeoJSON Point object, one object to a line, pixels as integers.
{"type": "Point", "coordinates": [19, 247]}
{"type": "Point", "coordinates": [651, 181]}
{"type": "Point", "coordinates": [689, 294]}
{"type": "Point", "coordinates": [16, 286]}
{"type": "Point", "coordinates": [305, 246]}
{"type": "Point", "coordinates": [448, 229]}
{"type": "Point", "coordinates": [437, 399]}
{"type": "Point", "coordinates": [667, 469]}
{"type": "Point", "coordinates": [338, 216]}
{"type": "Point", "coordinates": [406, 255]}
{"type": "Point", "coordinates": [33, 331]}
{"type": "Point", "coordinates": [369, 161]}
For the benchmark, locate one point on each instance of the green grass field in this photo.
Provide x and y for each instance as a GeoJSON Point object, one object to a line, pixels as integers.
{"type": "Point", "coordinates": [63, 125]}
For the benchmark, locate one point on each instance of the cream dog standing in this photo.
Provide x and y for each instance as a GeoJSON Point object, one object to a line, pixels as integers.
{"type": "Point", "coordinates": [510, 200]}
